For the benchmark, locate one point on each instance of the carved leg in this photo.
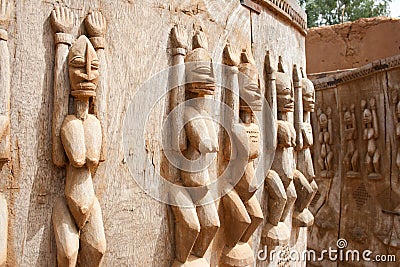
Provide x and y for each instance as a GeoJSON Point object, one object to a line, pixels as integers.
{"type": "Point", "coordinates": [347, 161]}
{"type": "Point", "coordinates": [302, 217]}
{"type": "Point", "coordinates": [254, 209]}
{"type": "Point", "coordinates": [79, 193]}
{"type": "Point", "coordinates": [236, 220]}
{"type": "Point", "coordinates": [398, 158]}
{"type": "Point", "coordinates": [93, 239]}
{"type": "Point", "coordinates": [275, 232]}
{"type": "Point", "coordinates": [329, 159]}
{"type": "Point", "coordinates": [3, 230]}
{"type": "Point", "coordinates": [66, 235]}
{"type": "Point", "coordinates": [187, 225]}
{"type": "Point", "coordinates": [375, 161]}
{"type": "Point", "coordinates": [291, 199]}
{"type": "Point", "coordinates": [209, 225]}
{"type": "Point", "coordinates": [368, 163]}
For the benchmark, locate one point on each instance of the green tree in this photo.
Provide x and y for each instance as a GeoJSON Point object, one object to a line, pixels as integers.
{"type": "Point", "coordinates": [328, 12]}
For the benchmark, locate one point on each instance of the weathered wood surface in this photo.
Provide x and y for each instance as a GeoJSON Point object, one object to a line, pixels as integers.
{"type": "Point", "coordinates": [138, 228]}
{"type": "Point", "coordinates": [360, 209]}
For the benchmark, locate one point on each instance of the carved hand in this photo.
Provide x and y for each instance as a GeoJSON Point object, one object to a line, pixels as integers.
{"type": "Point", "coordinates": [5, 14]}
{"type": "Point", "coordinates": [96, 24]}
{"type": "Point", "coordinates": [62, 19]}
{"type": "Point", "coordinates": [179, 36]}
{"type": "Point", "coordinates": [231, 55]}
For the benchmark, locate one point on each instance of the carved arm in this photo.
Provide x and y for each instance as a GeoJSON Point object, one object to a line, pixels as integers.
{"type": "Point", "coordinates": [62, 20]}
{"type": "Point", "coordinates": [96, 27]}
{"type": "Point", "coordinates": [374, 117]}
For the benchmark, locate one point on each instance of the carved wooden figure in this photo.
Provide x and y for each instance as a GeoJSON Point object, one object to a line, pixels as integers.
{"type": "Point", "coordinates": [279, 181]}
{"type": "Point", "coordinates": [371, 134]}
{"type": "Point", "coordinates": [304, 176]}
{"type": "Point", "coordinates": [196, 224]}
{"type": "Point", "coordinates": [350, 133]}
{"type": "Point", "coordinates": [78, 141]}
{"type": "Point", "coordinates": [397, 125]}
{"type": "Point", "coordinates": [5, 77]}
{"type": "Point", "coordinates": [325, 139]}
{"type": "Point", "coordinates": [242, 210]}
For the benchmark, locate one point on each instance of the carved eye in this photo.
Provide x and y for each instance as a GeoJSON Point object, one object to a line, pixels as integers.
{"type": "Point", "coordinates": [203, 70]}
{"type": "Point", "coordinates": [77, 62]}
{"type": "Point", "coordinates": [95, 64]}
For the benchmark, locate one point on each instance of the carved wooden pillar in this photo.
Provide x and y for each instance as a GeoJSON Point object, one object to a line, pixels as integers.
{"type": "Point", "coordinates": [78, 141]}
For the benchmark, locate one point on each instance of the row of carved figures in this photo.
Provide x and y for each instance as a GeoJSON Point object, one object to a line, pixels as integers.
{"type": "Point", "coordinates": [79, 145]}
{"type": "Point", "coordinates": [370, 135]}
{"type": "Point", "coordinates": [289, 184]}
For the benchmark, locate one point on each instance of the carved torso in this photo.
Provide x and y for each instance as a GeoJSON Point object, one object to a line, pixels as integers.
{"type": "Point", "coordinates": [307, 135]}
{"type": "Point", "coordinates": [82, 140]}
{"type": "Point", "coordinates": [286, 134]}
{"type": "Point", "coordinates": [253, 135]}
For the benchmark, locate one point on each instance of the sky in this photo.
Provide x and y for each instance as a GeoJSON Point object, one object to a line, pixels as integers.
{"type": "Point", "coordinates": [395, 8]}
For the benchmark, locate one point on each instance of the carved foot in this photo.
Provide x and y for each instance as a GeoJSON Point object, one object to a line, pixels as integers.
{"type": "Point", "coordinates": [66, 234]}
{"type": "Point", "coordinates": [240, 255]}
{"type": "Point", "coordinates": [374, 176]}
{"type": "Point", "coordinates": [303, 219]}
{"type": "Point", "coordinates": [276, 235]}
{"type": "Point", "coordinates": [353, 175]}
{"type": "Point", "coordinates": [3, 230]}
{"type": "Point", "coordinates": [192, 261]}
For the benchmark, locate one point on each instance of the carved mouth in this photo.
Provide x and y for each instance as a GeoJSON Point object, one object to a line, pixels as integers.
{"type": "Point", "coordinates": [87, 86]}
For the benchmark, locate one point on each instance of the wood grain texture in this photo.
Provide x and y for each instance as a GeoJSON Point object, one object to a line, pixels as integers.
{"type": "Point", "coordinates": [138, 228]}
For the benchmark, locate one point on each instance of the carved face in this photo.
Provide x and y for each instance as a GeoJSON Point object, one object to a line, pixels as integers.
{"type": "Point", "coordinates": [83, 65]}
{"type": "Point", "coordinates": [199, 74]}
{"type": "Point", "coordinates": [249, 88]}
{"type": "Point", "coordinates": [367, 116]}
{"type": "Point", "coordinates": [284, 92]}
{"type": "Point", "coordinates": [323, 121]}
{"type": "Point", "coordinates": [308, 95]}
{"type": "Point", "coordinates": [348, 120]}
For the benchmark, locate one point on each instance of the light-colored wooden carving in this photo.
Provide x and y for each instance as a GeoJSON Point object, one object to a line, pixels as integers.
{"type": "Point", "coordinates": [5, 78]}
{"type": "Point", "coordinates": [5, 145]}
{"type": "Point", "coordinates": [195, 225]}
{"type": "Point", "coordinates": [279, 181]}
{"type": "Point", "coordinates": [78, 140]}
{"type": "Point", "coordinates": [371, 134]}
{"type": "Point", "coordinates": [242, 211]}
{"type": "Point", "coordinates": [325, 139]}
{"type": "Point", "coordinates": [304, 176]}
{"type": "Point", "coordinates": [397, 125]}
{"type": "Point", "coordinates": [351, 157]}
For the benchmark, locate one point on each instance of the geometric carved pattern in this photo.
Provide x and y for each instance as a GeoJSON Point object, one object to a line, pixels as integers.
{"type": "Point", "coordinates": [284, 260]}
{"type": "Point", "coordinates": [315, 199]}
{"type": "Point", "coordinates": [361, 196]}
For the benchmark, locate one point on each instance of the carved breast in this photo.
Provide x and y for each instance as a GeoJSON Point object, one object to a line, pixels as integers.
{"type": "Point", "coordinates": [82, 140]}
{"type": "Point", "coordinates": [253, 135]}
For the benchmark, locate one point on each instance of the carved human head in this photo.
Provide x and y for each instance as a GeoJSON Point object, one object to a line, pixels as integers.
{"type": "Point", "coordinates": [284, 92]}
{"type": "Point", "coordinates": [367, 116]}
{"type": "Point", "coordinates": [249, 84]}
{"type": "Point", "coordinates": [198, 67]}
{"type": "Point", "coordinates": [323, 120]}
{"type": "Point", "coordinates": [83, 66]}
{"type": "Point", "coordinates": [308, 95]}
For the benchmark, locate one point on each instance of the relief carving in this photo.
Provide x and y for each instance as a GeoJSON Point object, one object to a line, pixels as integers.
{"type": "Point", "coordinates": [78, 137]}
{"type": "Point", "coordinates": [279, 181]}
{"type": "Point", "coordinates": [304, 176]}
{"type": "Point", "coordinates": [397, 126]}
{"type": "Point", "coordinates": [242, 211]}
{"type": "Point", "coordinates": [5, 144]}
{"type": "Point", "coordinates": [196, 224]}
{"type": "Point", "coordinates": [351, 157]}
{"type": "Point", "coordinates": [371, 134]}
{"type": "Point", "coordinates": [325, 139]}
